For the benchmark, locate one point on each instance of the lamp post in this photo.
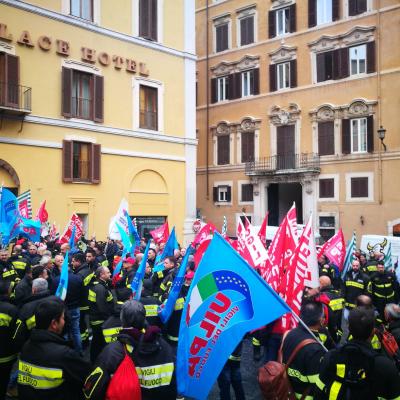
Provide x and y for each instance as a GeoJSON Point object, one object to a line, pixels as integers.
{"type": "Point", "coordinates": [381, 135]}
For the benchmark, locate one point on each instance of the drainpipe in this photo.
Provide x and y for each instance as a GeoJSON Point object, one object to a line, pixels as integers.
{"type": "Point", "coordinates": [379, 97]}
{"type": "Point", "coordinates": [207, 105]}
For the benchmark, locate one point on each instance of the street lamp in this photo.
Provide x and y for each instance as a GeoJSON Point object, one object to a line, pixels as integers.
{"type": "Point", "coordinates": [381, 135]}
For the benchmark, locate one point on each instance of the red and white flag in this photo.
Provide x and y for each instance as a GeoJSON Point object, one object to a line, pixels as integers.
{"type": "Point", "coordinates": [205, 233]}
{"type": "Point", "coordinates": [74, 221]}
{"type": "Point", "coordinates": [160, 234]}
{"type": "Point", "coordinates": [262, 233]}
{"type": "Point", "coordinates": [42, 214]}
{"type": "Point", "coordinates": [335, 249]}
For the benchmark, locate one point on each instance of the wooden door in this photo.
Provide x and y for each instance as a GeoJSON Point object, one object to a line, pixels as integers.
{"type": "Point", "coordinates": [285, 147]}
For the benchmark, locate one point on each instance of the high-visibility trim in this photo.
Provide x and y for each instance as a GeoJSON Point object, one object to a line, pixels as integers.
{"type": "Point", "coordinates": [109, 298]}
{"type": "Point", "coordinates": [300, 396]}
{"type": "Point", "coordinates": [384, 398]}
{"type": "Point", "coordinates": [18, 324]}
{"type": "Point", "coordinates": [335, 389]}
{"type": "Point", "coordinates": [173, 338]}
{"type": "Point", "coordinates": [179, 304]}
{"type": "Point", "coordinates": [104, 263]}
{"type": "Point", "coordinates": [5, 319]}
{"type": "Point", "coordinates": [320, 384]}
{"type": "Point", "coordinates": [87, 280]}
{"type": "Point", "coordinates": [7, 359]}
{"type": "Point", "coordinates": [92, 296]}
{"type": "Point", "coordinates": [9, 273]}
{"type": "Point", "coordinates": [234, 358]}
{"type": "Point", "coordinates": [155, 375]}
{"type": "Point", "coordinates": [303, 378]}
{"type": "Point", "coordinates": [163, 287]}
{"type": "Point", "coordinates": [383, 285]}
{"type": "Point", "coordinates": [376, 343]}
{"type": "Point", "coordinates": [85, 335]}
{"type": "Point", "coordinates": [255, 342]}
{"type": "Point", "coordinates": [355, 284]}
{"type": "Point", "coordinates": [350, 305]}
{"type": "Point", "coordinates": [382, 296]}
{"type": "Point", "coordinates": [39, 377]}
{"type": "Point", "coordinates": [336, 304]}
{"type": "Point", "coordinates": [110, 334]}
{"type": "Point", "coordinates": [340, 370]}
{"type": "Point", "coordinates": [160, 274]}
{"type": "Point", "coordinates": [19, 264]}
{"type": "Point", "coordinates": [151, 310]}
{"type": "Point", "coordinates": [92, 381]}
{"type": "Point", "coordinates": [84, 308]}
{"type": "Point", "coordinates": [95, 323]}
{"type": "Point", "coordinates": [31, 322]}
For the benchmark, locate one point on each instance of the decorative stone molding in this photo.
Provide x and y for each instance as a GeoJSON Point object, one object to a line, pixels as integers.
{"type": "Point", "coordinates": [245, 63]}
{"type": "Point", "coordinates": [7, 167]}
{"type": "Point", "coordinates": [284, 53]}
{"type": "Point", "coordinates": [223, 68]}
{"type": "Point", "coordinates": [358, 108]}
{"type": "Point", "coordinates": [307, 184]}
{"type": "Point", "coordinates": [324, 43]}
{"type": "Point", "coordinates": [249, 124]}
{"type": "Point", "coordinates": [280, 116]}
{"type": "Point", "coordinates": [326, 112]}
{"type": "Point", "coordinates": [7, 48]}
{"type": "Point", "coordinates": [246, 11]}
{"type": "Point", "coordinates": [222, 19]}
{"type": "Point", "coordinates": [222, 128]}
{"type": "Point", "coordinates": [281, 3]}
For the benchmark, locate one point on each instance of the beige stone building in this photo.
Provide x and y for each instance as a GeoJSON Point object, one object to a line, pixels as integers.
{"type": "Point", "coordinates": [291, 98]}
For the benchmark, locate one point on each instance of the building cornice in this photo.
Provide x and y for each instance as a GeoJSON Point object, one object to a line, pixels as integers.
{"type": "Point", "coordinates": [97, 29]}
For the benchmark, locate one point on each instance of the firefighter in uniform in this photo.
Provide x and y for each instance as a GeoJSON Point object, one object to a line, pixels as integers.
{"type": "Point", "coordinates": [159, 276]}
{"type": "Point", "coordinates": [101, 306]}
{"type": "Point", "coordinates": [18, 261]}
{"type": "Point", "coordinates": [7, 272]}
{"type": "Point", "coordinates": [8, 353]}
{"type": "Point", "coordinates": [112, 325]}
{"type": "Point", "coordinates": [48, 369]}
{"type": "Point", "coordinates": [327, 269]}
{"type": "Point", "coordinates": [123, 283]}
{"type": "Point", "coordinates": [151, 354]}
{"type": "Point", "coordinates": [150, 303]}
{"type": "Point", "coordinates": [383, 288]}
{"type": "Point", "coordinates": [354, 371]}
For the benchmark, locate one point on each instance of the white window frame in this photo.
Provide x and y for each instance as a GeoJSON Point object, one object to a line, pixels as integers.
{"type": "Point", "coordinates": [160, 19]}
{"type": "Point", "coordinates": [223, 184]}
{"type": "Point", "coordinates": [328, 214]}
{"type": "Point", "coordinates": [245, 13]}
{"type": "Point", "coordinates": [335, 178]}
{"type": "Point", "coordinates": [66, 9]}
{"type": "Point", "coordinates": [326, 8]}
{"type": "Point", "coordinates": [359, 135]}
{"type": "Point", "coordinates": [136, 83]}
{"type": "Point", "coordinates": [222, 21]}
{"type": "Point", "coordinates": [240, 201]}
{"type": "Point", "coordinates": [370, 176]}
{"type": "Point", "coordinates": [278, 12]}
{"type": "Point", "coordinates": [246, 85]}
{"type": "Point", "coordinates": [346, 9]}
{"type": "Point", "coordinates": [239, 146]}
{"type": "Point", "coordinates": [222, 94]}
{"type": "Point", "coordinates": [358, 60]}
{"type": "Point", "coordinates": [238, 215]}
{"type": "Point", "coordinates": [282, 67]}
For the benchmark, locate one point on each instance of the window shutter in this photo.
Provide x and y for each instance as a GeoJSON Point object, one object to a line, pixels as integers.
{"type": "Point", "coordinates": [359, 187]}
{"type": "Point", "coordinates": [326, 139]}
{"type": "Point", "coordinates": [228, 194]}
{"type": "Point", "coordinates": [144, 22]}
{"type": "Point", "coordinates": [326, 188]}
{"type": "Point", "coordinates": [67, 151]}
{"type": "Point", "coordinates": [370, 57]}
{"type": "Point", "coordinates": [256, 81]}
{"type": "Point", "coordinates": [95, 162]}
{"type": "Point", "coordinates": [352, 7]}
{"type": "Point", "coordinates": [243, 32]}
{"type": "Point", "coordinates": [292, 16]}
{"type": "Point", "coordinates": [153, 19]}
{"type": "Point", "coordinates": [231, 86]}
{"type": "Point", "coordinates": [12, 80]}
{"type": "Point", "coordinates": [213, 90]}
{"type": "Point", "coordinates": [336, 64]}
{"type": "Point", "coordinates": [223, 151]}
{"type": "Point", "coordinates": [66, 92]}
{"type": "Point", "coordinates": [215, 194]}
{"type": "Point", "coordinates": [346, 143]}
{"type": "Point", "coordinates": [344, 63]}
{"type": "Point", "coordinates": [335, 10]}
{"type": "Point", "coordinates": [271, 24]}
{"type": "Point", "coordinates": [320, 59]}
{"type": "Point", "coordinates": [238, 85]}
{"type": "Point", "coordinates": [370, 133]}
{"type": "Point", "coordinates": [312, 16]}
{"type": "Point", "coordinates": [98, 98]}
{"type": "Point", "coordinates": [272, 78]}
{"type": "Point", "coordinates": [293, 73]}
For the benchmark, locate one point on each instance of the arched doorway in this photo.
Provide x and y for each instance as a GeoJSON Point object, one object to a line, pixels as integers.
{"type": "Point", "coordinates": [8, 177]}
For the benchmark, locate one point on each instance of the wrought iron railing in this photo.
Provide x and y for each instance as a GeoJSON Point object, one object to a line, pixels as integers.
{"type": "Point", "coordinates": [16, 97]}
{"type": "Point", "coordinates": [302, 161]}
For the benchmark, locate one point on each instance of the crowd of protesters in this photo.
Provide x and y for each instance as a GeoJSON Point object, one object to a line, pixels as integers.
{"type": "Point", "coordinates": [72, 349]}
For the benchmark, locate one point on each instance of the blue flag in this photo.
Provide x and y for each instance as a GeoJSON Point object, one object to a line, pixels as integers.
{"type": "Point", "coordinates": [170, 247]}
{"type": "Point", "coordinates": [133, 233]}
{"type": "Point", "coordinates": [71, 241]}
{"type": "Point", "coordinates": [227, 299]}
{"type": "Point", "coordinates": [137, 281]}
{"type": "Point", "coordinates": [124, 238]}
{"type": "Point", "coordinates": [9, 215]}
{"type": "Point", "coordinates": [350, 251]}
{"type": "Point", "coordinates": [119, 265]}
{"type": "Point", "coordinates": [30, 228]}
{"type": "Point", "coordinates": [63, 285]}
{"type": "Point", "coordinates": [166, 309]}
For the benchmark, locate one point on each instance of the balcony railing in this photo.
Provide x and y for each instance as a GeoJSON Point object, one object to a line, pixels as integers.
{"type": "Point", "coordinates": [15, 98]}
{"type": "Point", "coordinates": [287, 163]}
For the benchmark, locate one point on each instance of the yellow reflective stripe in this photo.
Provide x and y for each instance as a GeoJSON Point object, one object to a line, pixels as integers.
{"type": "Point", "coordinates": [384, 285]}
{"type": "Point", "coordinates": [300, 396]}
{"type": "Point", "coordinates": [163, 287]}
{"type": "Point", "coordinates": [297, 374]}
{"type": "Point", "coordinates": [355, 284]}
{"type": "Point", "coordinates": [7, 359]}
{"type": "Point", "coordinates": [340, 370]}
{"type": "Point", "coordinates": [17, 326]}
{"type": "Point", "coordinates": [382, 296]}
{"type": "Point", "coordinates": [18, 264]}
{"type": "Point", "coordinates": [104, 263]}
{"type": "Point", "coordinates": [322, 337]}
{"type": "Point", "coordinates": [90, 385]}
{"type": "Point", "coordinates": [155, 375]}
{"type": "Point", "coordinates": [87, 280]}
{"type": "Point", "coordinates": [9, 273]}
{"type": "Point", "coordinates": [351, 305]}
{"type": "Point", "coordinates": [234, 358]}
{"type": "Point", "coordinates": [109, 297]}
{"type": "Point", "coordinates": [255, 342]}
{"type": "Point", "coordinates": [160, 274]}
{"type": "Point", "coordinates": [129, 348]}
{"type": "Point", "coordinates": [173, 338]}
{"type": "Point", "coordinates": [39, 377]}
{"type": "Point", "coordinates": [5, 319]}
{"type": "Point", "coordinates": [320, 384]}
{"type": "Point", "coordinates": [84, 308]}
{"type": "Point", "coordinates": [375, 343]}
{"type": "Point", "coordinates": [31, 322]}
{"type": "Point", "coordinates": [92, 296]}
{"type": "Point", "coordinates": [336, 304]}
{"type": "Point", "coordinates": [94, 323]}
{"type": "Point", "coordinates": [334, 392]}
{"type": "Point", "coordinates": [151, 310]}
{"type": "Point", "coordinates": [85, 335]}
{"type": "Point", "coordinates": [179, 304]}
{"type": "Point", "coordinates": [110, 334]}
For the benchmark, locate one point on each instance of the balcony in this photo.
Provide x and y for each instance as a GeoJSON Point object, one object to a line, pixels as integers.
{"type": "Point", "coordinates": [15, 99]}
{"type": "Point", "coordinates": [288, 164]}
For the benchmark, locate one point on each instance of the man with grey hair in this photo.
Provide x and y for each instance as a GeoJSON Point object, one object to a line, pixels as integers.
{"type": "Point", "coordinates": [151, 354]}
{"type": "Point", "coordinates": [392, 317]}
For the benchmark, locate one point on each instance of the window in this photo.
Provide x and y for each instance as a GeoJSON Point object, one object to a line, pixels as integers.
{"type": "Point", "coordinates": [81, 162]}
{"type": "Point", "coordinates": [282, 21]}
{"type": "Point", "coordinates": [359, 187]}
{"type": "Point", "coordinates": [357, 7]}
{"type": "Point", "coordinates": [326, 188]}
{"type": "Point", "coordinates": [82, 95]}
{"type": "Point", "coordinates": [246, 30]}
{"type": "Point", "coordinates": [222, 88]}
{"type": "Point", "coordinates": [327, 227]}
{"type": "Point", "coordinates": [358, 60]}
{"type": "Point", "coordinates": [283, 75]}
{"type": "Point", "coordinates": [222, 37]}
{"type": "Point", "coordinates": [326, 138]}
{"type": "Point", "coordinates": [82, 9]}
{"type": "Point", "coordinates": [247, 83]}
{"type": "Point", "coordinates": [9, 80]}
{"type": "Point", "coordinates": [322, 11]}
{"type": "Point", "coordinates": [223, 149]}
{"type": "Point", "coordinates": [148, 108]}
{"type": "Point", "coordinates": [247, 141]}
{"type": "Point", "coordinates": [358, 128]}
{"type": "Point", "coordinates": [148, 19]}
{"type": "Point", "coordinates": [222, 194]}
{"type": "Point", "coordinates": [246, 192]}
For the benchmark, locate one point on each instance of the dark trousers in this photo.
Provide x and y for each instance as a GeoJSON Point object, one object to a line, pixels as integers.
{"type": "Point", "coordinates": [230, 375]}
{"type": "Point", "coordinates": [272, 347]}
{"type": "Point", "coordinates": [98, 342]}
{"type": "Point", "coordinates": [5, 370]}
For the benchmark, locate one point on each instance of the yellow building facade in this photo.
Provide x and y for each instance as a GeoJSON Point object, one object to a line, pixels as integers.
{"type": "Point", "coordinates": [96, 105]}
{"type": "Point", "coordinates": [298, 101]}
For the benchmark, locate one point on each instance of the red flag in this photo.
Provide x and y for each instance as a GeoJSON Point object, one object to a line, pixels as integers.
{"type": "Point", "coordinates": [262, 233]}
{"type": "Point", "coordinates": [205, 233]}
{"type": "Point", "coordinates": [74, 221]}
{"type": "Point", "coordinates": [161, 233]}
{"type": "Point", "coordinates": [200, 251]}
{"type": "Point", "coordinates": [42, 214]}
{"type": "Point", "coordinates": [335, 249]}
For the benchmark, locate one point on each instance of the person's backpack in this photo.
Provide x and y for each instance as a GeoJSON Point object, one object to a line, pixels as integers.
{"type": "Point", "coordinates": [273, 379]}
{"type": "Point", "coordinates": [125, 382]}
{"type": "Point", "coordinates": [390, 345]}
